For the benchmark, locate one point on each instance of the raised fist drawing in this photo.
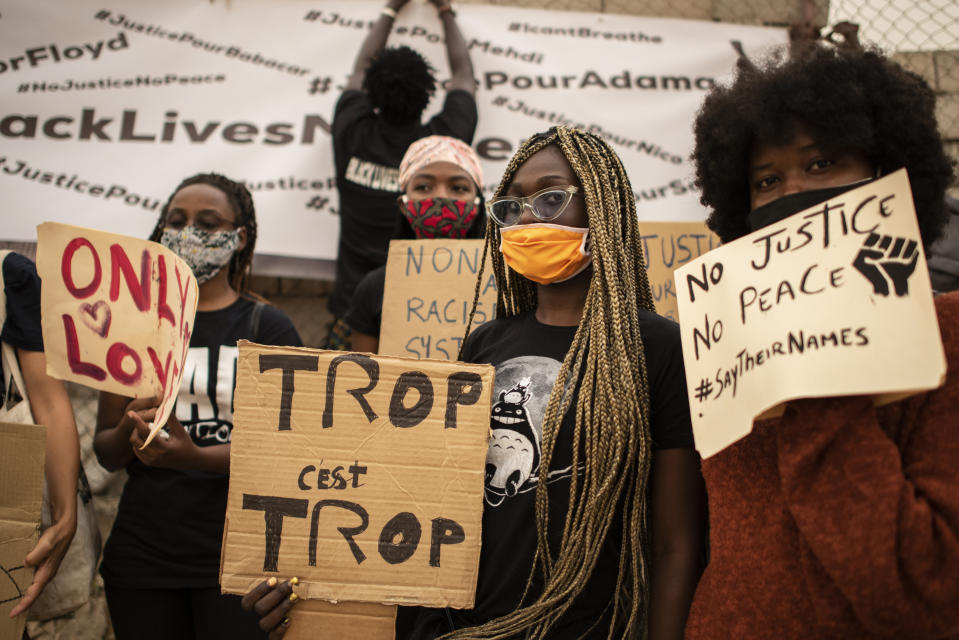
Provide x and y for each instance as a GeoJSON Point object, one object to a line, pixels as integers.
{"type": "Point", "coordinates": [883, 258]}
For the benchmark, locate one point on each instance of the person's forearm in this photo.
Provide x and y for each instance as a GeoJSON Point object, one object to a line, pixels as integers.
{"type": "Point", "coordinates": [374, 43]}
{"type": "Point", "coordinates": [62, 468]}
{"type": "Point", "coordinates": [672, 585]}
{"type": "Point", "coordinates": [112, 447]}
{"type": "Point", "coordinates": [51, 408]}
{"type": "Point", "coordinates": [461, 66]}
{"type": "Point", "coordinates": [215, 459]}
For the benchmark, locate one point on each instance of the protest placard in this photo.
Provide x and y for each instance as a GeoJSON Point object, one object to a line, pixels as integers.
{"type": "Point", "coordinates": [832, 301]}
{"type": "Point", "coordinates": [117, 312]}
{"type": "Point", "coordinates": [22, 451]}
{"type": "Point", "coordinates": [666, 247]}
{"type": "Point", "coordinates": [429, 294]}
{"type": "Point", "coordinates": [361, 475]}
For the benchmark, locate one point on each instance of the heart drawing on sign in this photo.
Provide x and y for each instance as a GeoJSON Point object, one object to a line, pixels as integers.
{"type": "Point", "coordinates": [97, 317]}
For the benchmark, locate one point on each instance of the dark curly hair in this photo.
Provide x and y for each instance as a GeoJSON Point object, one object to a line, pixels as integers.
{"type": "Point", "coordinates": [242, 203]}
{"type": "Point", "coordinates": [400, 84]}
{"type": "Point", "coordinates": [845, 99]}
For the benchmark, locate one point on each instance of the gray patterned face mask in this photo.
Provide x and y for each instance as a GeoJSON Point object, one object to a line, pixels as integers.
{"type": "Point", "coordinates": [205, 251]}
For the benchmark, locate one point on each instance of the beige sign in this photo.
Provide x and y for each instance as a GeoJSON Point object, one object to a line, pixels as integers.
{"type": "Point", "coordinates": [832, 301]}
{"type": "Point", "coordinates": [117, 312]}
{"type": "Point", "coordinates": [428, 296]}
{"type": "Point", "coordinates": [666, 247]}
{"type": "Point", "coordinates": [361, 475]}
{"type": "Point", "coordinates": [22, 449]}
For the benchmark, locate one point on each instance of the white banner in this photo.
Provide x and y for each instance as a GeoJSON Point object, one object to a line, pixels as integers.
{"type": "Point", "coordinates": [107, 106]}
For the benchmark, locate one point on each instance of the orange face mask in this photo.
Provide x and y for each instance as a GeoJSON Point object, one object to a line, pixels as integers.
{"type": "Point", "coordinates": [545, 253]}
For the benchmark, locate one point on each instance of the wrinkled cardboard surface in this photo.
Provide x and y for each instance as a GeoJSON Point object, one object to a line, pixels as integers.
{"type": "Point", "coordinates": [343, 621]}
{"type": "Point", "coordinates": [428, 295]}
{"type": "Point", "coordinates": [22, 453]}
{"type": "Point", "coordinates": [666, 247]}
{"type": "Point", "coordinates": [430, 470]}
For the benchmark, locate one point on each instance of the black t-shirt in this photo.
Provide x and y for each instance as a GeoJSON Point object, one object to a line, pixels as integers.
{"type": "Point", "coordinates": [527, 355]}
{"type": "Point", "coordinates": [366, 308]}
{"type": "Point", "coordinates": [367, 154]}
{"type": "Point", "coordinates": [170, 523]}
{"type": "Point", "coordinates": [21, 328]}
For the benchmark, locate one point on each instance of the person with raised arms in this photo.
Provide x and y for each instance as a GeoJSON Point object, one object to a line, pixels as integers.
{"type": "Point", "coordinates": [376, 119]}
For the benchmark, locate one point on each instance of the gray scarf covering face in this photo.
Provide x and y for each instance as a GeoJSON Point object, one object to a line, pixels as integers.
{"type": "Point", "coordinates": [205, 251]}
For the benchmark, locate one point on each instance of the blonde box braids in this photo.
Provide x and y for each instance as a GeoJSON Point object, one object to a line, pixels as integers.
{"type": "Point", "coordinates": [611, 439]}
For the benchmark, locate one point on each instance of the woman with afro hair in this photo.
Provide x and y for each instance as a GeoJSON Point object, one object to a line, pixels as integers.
{"type": "Point", "coordinates": [376, 118]}
{"type": "Point", "coordinates": [837, 519]}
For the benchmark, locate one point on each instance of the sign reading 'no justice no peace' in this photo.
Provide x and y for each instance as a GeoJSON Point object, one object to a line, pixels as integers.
{"type": "Point", "coordinates": [361, 475]}
{"type": "Point", "coordinates": [834, 300]}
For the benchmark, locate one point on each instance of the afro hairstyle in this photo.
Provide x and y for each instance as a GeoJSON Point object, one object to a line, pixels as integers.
{"type": "Point", "coordinates": [844, 99]}
{"type": "Point", "coordinates": [400, 84]}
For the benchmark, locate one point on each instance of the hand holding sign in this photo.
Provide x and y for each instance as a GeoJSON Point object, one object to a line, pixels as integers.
{"type": "Point", "coordinates": [173, 449]}
{"type": "Point", "coordinates": [91, 279]}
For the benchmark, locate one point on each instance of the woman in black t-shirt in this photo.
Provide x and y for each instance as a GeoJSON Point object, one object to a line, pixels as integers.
{"type": "Point", "coordinates": [161, 562]}
{"type": "Point", "coordinates": [594, 515]}
{"type": "Point", "coordinates": [441, 181]}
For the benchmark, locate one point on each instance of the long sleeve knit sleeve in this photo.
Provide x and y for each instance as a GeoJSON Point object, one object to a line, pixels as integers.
{"type": "Point", "coordinates": [874, 494]}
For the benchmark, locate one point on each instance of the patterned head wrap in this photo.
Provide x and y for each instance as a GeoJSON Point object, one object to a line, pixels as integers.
{"type": "Point", "coordinates": [440, 149]}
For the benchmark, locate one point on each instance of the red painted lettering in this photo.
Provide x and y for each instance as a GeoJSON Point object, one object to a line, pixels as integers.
{"type": "Point", "coordinates": [77, 365]}
{"type": "Point", "coordinates": [183, 286]}
{"type": "Point", "coordinates": [163, 309]}
{"type": "Point", "coordinates": [161, 369]}
{"type": "Point", "coordinates": [117, 352]}
{"type": "Point", "coordinates": [66, 269]}
{"type": "Point", "coordinates": [139, 291]}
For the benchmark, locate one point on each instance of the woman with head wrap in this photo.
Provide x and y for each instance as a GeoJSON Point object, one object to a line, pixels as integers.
{"type": "Point", "coordinates": [441, 181]}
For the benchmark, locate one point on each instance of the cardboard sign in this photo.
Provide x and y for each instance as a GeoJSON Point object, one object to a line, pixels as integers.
{"type": "Point", "coordinates": [666, 247]}
{"type": "Point", "coordinates": [22, 451]}
{"type": "Point", "coordinates": [117, 312]}
{"type": "Point", "coordinates": [361, 475]}
{"type": "Point", "coordinates": [832, 301]}
{"type": "Point", "coordinates": [343, 621]}
{"type": "Point", "coordinates": [429, 294]}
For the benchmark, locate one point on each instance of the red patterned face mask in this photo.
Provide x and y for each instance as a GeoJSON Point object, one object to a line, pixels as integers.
{"type": "Point", "coordinates": [439, 217]}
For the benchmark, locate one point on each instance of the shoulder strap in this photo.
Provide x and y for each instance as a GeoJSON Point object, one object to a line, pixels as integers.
{"type": "Point", "coordinates": [255, 315]}
{"type": "Point", "coordinates": [12, 378]}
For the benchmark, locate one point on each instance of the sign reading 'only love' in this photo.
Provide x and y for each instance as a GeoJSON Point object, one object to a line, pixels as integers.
{"type": "Point", "coordinates": [117, 312]}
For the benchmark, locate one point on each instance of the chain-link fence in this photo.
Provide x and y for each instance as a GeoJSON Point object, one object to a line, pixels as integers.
{"type": "Point", "coordinates": [923, 35]}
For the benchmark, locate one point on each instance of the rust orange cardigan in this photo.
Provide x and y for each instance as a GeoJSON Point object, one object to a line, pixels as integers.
{"type": "Point", "coordinates": [839, 520]}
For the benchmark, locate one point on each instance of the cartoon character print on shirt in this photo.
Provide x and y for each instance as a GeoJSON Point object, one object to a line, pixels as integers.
{"type": "Point", "coordinates": [204, 405]}
{"type": "Point", "coordinates": [522, 387]}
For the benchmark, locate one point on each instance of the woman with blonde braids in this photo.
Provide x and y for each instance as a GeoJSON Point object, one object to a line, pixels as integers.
{"type": "Point", "coordinates": [594, 518]}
